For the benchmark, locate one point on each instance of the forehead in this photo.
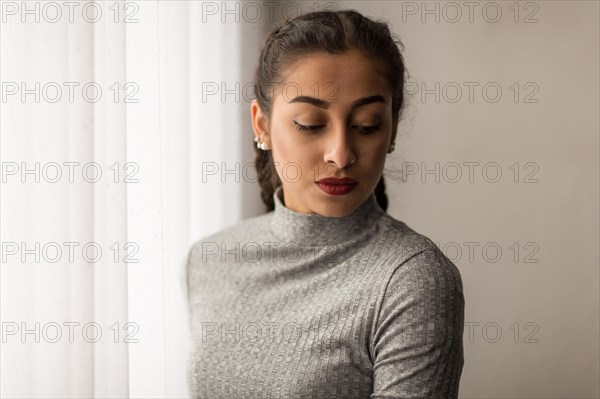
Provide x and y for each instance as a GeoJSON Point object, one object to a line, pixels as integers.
{"type": "Point", "coordinates": [333, 77]}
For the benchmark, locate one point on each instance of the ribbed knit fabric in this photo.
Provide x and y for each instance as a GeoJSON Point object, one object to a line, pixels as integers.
{"type": "Point", "coordinates": [292, 305]}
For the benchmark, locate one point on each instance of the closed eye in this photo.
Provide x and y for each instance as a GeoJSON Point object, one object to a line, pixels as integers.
{"type": "Point", "coordinates": [369, 129]}
{"type": "Point", "coordinates": [314, 128]}
{"type": "Point", "coordinates": [304, 128]}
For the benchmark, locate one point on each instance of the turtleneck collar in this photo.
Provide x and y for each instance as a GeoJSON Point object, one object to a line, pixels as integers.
{"type": "Point", "coordinates": [317, 230]}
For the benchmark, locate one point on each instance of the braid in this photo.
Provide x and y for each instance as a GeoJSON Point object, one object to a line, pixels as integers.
{"type": "Point", "coordinates": [382, 199]}
{"type": "Point", "coordinates": [267, 177]}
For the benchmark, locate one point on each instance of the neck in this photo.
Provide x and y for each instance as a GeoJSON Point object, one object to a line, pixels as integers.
{"type": "Point", "coordinates": [312, 229]}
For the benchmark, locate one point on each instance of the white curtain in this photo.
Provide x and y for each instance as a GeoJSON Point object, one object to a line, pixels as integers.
{"type": "Point", "coordinates": [116, 130]}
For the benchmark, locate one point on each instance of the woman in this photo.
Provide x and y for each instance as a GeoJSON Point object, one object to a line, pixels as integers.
{"type": "Point", "coordinates": [326, 295]}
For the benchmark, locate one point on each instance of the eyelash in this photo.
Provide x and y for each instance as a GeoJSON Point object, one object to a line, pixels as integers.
{"type": "Point", "coordinates": [313, 129]}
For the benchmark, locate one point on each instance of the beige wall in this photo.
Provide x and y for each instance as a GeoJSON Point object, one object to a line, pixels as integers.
{"type": "Point", "coordinates": [554, 220]}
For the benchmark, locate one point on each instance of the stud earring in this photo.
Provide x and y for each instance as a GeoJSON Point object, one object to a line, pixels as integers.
{"type": "Point", "coordinates": [260, 144]}
{"type": "Point", "coordinates": [392, 147]}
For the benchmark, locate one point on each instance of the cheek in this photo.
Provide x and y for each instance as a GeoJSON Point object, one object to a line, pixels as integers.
{"type": "Point", "coordinates": [280, 141]}
{"type": "Point", "coordinates": [288, 144]}
{"type": "Point", "coordinates": [372, 160]}
{"type": "Point", "coordinates": [290, 155]}
{"type": "Point", "coordinates": [374, 152]}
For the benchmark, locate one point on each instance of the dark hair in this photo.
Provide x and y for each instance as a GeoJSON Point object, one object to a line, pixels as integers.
{"type": "Point", "coordinates": [333, 32]}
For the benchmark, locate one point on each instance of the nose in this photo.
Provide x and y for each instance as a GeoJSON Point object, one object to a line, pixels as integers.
{"type": "Point", "coordinates": [339, 149]}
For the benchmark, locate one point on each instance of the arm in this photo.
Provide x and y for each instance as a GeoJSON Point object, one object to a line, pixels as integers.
{"type": "Point", "coordinates": [188, 275]}
{"type": "Point", "coordinates": [417, 346]}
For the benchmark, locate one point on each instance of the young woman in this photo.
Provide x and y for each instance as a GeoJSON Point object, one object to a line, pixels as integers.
{"type": "Point", "coordinates": [326, 295]}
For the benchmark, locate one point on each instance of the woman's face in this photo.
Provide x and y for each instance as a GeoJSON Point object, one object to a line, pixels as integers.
{"type": "Point", "coordinates": [331, 118]}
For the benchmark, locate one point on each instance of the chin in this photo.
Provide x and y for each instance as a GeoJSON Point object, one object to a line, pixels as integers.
{"type": "Point", "coordinates": [335, 205]}
{"type": "Point", "coordinates": [338, 207]}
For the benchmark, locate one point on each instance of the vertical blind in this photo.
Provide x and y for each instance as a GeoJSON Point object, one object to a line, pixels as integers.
{"type": "Point", "coordinates": [110, 126]}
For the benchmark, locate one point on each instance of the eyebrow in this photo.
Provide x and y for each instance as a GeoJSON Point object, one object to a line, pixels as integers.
{"type": "Point", "coordinates": [325, 105]}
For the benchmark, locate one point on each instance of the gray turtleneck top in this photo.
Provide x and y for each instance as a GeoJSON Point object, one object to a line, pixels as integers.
{"type": "Point", "coordinates": [292, 305]}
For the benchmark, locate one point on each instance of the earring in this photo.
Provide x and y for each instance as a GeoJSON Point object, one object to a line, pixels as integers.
{"type": "Point", "coordinates": [392, 147]}
{"type": "Point", "coordinates": [260, 144]}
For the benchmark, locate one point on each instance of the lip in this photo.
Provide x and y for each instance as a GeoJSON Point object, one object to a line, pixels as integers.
{"type": "Point", "coordinates": [337, 186]}
{"type": "Point", "coordinates": [333, 180]}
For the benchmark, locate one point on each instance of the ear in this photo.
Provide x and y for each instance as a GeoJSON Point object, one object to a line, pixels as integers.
{"type": "Point", "coordinates": [260, 123]}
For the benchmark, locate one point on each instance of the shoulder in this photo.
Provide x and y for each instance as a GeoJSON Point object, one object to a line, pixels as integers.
{"type": "Point", "coordinates": [415, 265]}
{"type": "Point", "coordinates": [252, 229]}
{"type": "Point", "coordinates": [205, 251]}
{"type": "Point", "coordinates": [400, 242]}
{"type": "Point", "coordinates": [428, 272]}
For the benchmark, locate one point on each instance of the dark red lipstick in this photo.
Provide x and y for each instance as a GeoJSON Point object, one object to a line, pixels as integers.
{"type": "Point", "coordinates": [337, 186]}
